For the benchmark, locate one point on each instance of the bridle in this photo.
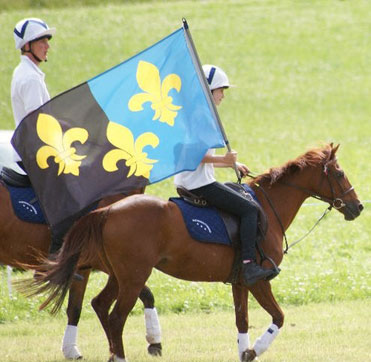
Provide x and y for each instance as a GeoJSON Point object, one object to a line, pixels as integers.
{"type": "Point", "coordinates": [335, 202]}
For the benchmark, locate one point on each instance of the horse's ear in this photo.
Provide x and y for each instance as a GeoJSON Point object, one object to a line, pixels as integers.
{"type": "Point", "coordinates": [334, 149]}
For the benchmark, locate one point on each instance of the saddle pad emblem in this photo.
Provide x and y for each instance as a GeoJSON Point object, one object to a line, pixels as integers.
{"type": "Point", "coordinates": [28, 207]}
{"type": "Point", "coordinates": [203, 223]}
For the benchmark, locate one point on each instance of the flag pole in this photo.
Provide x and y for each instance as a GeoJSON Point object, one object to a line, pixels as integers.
{"type": "Point", "coordinates": [206, 89]}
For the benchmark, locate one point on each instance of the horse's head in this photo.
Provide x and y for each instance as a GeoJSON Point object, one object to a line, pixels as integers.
{"type": "Point", "coordinates": [337, 189]}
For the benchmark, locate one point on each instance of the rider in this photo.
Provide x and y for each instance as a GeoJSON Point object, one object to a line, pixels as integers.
{"type": "Point", "coordinates": [28, 88]}
{"type": "Point", "coordinates": [201, 182]}
{"type": "Point", "coordinates": [29, 92]}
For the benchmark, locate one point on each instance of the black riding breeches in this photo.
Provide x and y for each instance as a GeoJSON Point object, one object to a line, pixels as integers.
{"type": "Point", "coordinates": [231, 201]}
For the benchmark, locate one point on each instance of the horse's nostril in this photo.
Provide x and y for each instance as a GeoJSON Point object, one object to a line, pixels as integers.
{"type": "Point", "coordinates": [360, 207]}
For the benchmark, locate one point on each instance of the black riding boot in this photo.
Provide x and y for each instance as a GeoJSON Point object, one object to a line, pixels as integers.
{"type": "Point", "coordinates": [252, 272]}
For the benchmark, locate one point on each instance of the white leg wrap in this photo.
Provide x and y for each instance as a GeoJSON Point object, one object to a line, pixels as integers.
{"type": "Point", "coordinates": [263, 342]}
{"type": "Point", "coordinates": [69, 344]}
{"type": "Point", "coordinates": [118, 359]}
{"type": "Point", "coordinates": [243, 341]}
{"type": "Point", "coordinates": [153, 328]}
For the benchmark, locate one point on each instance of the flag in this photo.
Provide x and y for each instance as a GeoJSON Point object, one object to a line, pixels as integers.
{"type": "Point", "coordinates": [138, 123]}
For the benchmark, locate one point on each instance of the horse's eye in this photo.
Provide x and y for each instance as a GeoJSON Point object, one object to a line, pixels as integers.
{"type": "Point", "coordinates": [339, 174]}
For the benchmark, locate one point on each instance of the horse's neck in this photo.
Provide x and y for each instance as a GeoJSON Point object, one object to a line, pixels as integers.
{"type": "Point", "coordinates": [286, 199]}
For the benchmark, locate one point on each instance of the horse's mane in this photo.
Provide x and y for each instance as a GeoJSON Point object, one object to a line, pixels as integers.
{"type": "Point", "coordinates": [311, 158]}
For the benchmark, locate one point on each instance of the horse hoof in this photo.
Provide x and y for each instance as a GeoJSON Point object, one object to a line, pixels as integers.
{"type": "Point", "coordinates": [71, 352]}
{"type": "Point", "coordinates": [155, 349]}
{"type": "Point", "coordinates": [114, 358]}
{"type": "Point", "coordinates": [248, 356]}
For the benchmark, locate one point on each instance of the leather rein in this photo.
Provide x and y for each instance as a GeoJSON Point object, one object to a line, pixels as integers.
{"type": "Point", "coordinates": [335, 202]}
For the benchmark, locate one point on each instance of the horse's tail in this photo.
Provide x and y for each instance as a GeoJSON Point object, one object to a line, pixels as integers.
{"type": "Point", "coordinates": [82, 243]}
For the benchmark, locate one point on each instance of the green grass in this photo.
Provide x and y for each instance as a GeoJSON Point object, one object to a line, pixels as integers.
{"type": "Point", "coordinates": [303, 76]}
{"type": "Point", "coordinates": [58, 4]}
{"type": "Point", "coordinates": [326, 332]}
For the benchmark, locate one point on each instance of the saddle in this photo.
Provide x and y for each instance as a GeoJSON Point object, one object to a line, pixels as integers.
{"type": "Point", "coordinates": [230, 220]}
{"type": "Point", "coordinates": [13, 178]}
{"type": "Point", "coordinates": [232, 225]}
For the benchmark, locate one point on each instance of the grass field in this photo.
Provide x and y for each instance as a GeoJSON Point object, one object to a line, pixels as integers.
{"type": "Point", "coordinates": [303, 75]}
{"type": "Point", "coordinates": [326, 332]}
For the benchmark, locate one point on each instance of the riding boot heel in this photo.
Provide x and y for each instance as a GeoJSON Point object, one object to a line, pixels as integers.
{"type": "Point", "coordinates": [252, 272]}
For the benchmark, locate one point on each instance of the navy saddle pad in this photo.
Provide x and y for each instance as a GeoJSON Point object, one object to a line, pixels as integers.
{"type": "Point", "coordinates": [205, 223]}
{"type": "Point", "coordinates": [25, 204]}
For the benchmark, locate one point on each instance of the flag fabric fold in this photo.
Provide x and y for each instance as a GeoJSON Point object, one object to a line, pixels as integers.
{"type": "Point", "coordinates": [138, 123]}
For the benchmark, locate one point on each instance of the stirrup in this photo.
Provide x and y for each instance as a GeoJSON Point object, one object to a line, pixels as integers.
{"type": "Point", "coordinates": [275, 271]}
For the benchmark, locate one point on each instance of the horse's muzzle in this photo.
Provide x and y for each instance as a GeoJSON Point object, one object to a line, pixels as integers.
{"type": "Point", "coordinates": [352, 210]}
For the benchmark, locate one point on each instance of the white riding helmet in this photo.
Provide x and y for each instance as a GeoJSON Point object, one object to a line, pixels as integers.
{"type": "Point", "coordinates": [216, 77]}
{"type": "Point", "coordinates": [31, 29]}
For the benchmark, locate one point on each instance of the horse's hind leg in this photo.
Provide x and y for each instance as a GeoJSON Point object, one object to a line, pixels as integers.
{"type": "Point", "coordinates": [102, 303]}
{"type": "Point", "coordinates": [153, 328]}
{"type": "Point", "coordinates": [75, 299]}
{"type": "Point", "coordinates": [130, 287]}
{"type": "Point", "coordinates": [262, 292]}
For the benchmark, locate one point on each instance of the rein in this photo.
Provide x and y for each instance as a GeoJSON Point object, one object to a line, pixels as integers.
{"type": "Point", "coordinates": [336, 202]}
{"type": "Point", "coordinates": [287, 245]}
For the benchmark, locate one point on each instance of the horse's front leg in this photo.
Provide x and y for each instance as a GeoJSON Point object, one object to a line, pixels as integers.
{"type": "Point", "coordinates": [262, 292]}
{"type": "Point", "coordinates": [240, 294]}
{"type": "Point", "coordinates": [75, 299]}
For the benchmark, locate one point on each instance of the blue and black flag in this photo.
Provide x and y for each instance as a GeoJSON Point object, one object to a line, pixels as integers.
{"type": "Point", "coordinates": [138, 123]}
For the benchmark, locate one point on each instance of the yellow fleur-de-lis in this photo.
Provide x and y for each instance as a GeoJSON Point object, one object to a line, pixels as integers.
{"type": "Point", "coordinates": [59, 145]}
{"type": "Point", "coordinates": [148, 77]}
{"type": "Point", "coordinates": [137, 161]}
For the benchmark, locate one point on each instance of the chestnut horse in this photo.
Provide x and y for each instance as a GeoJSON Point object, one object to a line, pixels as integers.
{"type": "Point", "coordinates": [143, 232]}
{"type": "Point", "coordinates": [22, 243]}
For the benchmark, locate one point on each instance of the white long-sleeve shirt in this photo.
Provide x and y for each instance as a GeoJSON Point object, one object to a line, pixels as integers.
{"type": "Point", "coordinates": [28, 90]}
